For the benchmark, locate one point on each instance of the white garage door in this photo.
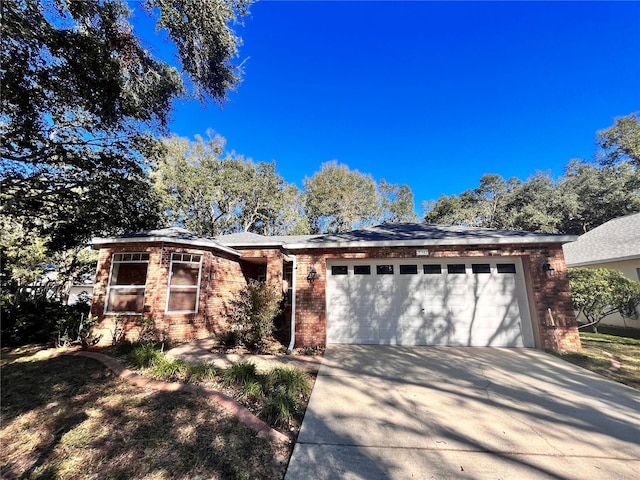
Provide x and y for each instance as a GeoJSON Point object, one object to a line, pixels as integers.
{"type": "Point", "coordinates": [461, 302]}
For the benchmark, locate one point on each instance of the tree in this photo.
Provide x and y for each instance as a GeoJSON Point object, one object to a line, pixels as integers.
{"type": "Point", "coordinates": [212, 193]}
{"type": "Point", "coordinates": [338, 199]}
{"type": "Point", "coordinates": [621, 141]}
{"type": "Point", "coordinates": [591, 195]}
{"type": "Point", "coordinates": [599, 292]}
{"type": "Point", "coordinates": [397, 203]}
{"type": "Point", "coordinates": [586, 196]}
{"type": "Point", "coordinates": [82, 101]}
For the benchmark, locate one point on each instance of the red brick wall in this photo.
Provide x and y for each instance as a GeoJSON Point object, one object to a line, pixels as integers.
{"type": "Point", "coordinates": [220, 278]}
{"type": "Point", "coordinates": [552, 316]}
{"type": "Point", "coordinates": [548, 291]}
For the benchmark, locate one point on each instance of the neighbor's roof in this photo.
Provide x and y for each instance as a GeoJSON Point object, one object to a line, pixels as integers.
{"type": "Point", "coordinates": [422, 234]}
{"type": "Point", "coordinates": [166, 235]}
{"type": "Point", "coordinates": [616, 240]}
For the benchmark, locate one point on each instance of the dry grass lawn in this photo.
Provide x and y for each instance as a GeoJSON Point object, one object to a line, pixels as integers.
{"type": "Point", "coordinates": [614, 357]}
{"type": "Point", "coordinates": [71, 418]}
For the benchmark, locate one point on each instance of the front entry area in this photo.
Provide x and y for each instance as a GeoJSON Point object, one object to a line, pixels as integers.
{"type": "Point", "coordinates": [455, 302]}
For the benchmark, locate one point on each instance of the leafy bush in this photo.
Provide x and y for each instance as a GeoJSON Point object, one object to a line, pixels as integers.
{"type": "Point", "coordinates": [292, 381]}
{"type": "Point", "coordinates": [599, 292]}
{"type": "Point", "coordinates": [27, 319]}
{"type": "Point", "coordinates": [203, 372]}
{"type": "Point", "coordinates": [229, 339]}
{"type": "Point", "coordinates": [252, 390]}
{"type": "Point", "coordinates": [253, 311]}
{"type": "Point", "coordinates": [279, 409]}
{"type": "Point", "coordinates": [171, 370]}
{"type": "Point", "coordinates": [240, 373]}
{"type": "Point", "coordinates": [144, 356]}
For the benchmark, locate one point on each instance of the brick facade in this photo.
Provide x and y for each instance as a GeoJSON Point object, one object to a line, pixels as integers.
{"type": "Point", "coordinates": [221, 277]}
{"type": "Point", "coordinates": [554, 324]}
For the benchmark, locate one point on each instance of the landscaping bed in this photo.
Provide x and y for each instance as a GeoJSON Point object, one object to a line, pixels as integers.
{"type": "Point", "coordinates": [70, 417]}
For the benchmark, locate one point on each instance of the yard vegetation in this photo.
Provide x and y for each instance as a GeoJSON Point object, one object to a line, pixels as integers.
{"type": "Point", "coordinates": [612, 356]}
{"type": "Point", "coordinates": [70, 417]}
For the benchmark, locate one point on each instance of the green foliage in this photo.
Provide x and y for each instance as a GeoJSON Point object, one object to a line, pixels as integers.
{"type": "Point", "coordinates": [202, 372]}
{"type": "Point", "coordinates": [82, 99]}
{"type": "Point", "coordinates": [252, 313]}
{"type": "Point", "coordinates": [586, 196]}
{"type": "Point", "coordinates": [240, 373]}
{"type": "Point", "coordinates": [279, 409]}
{"type": "Point", "coordinates": [599, 292]}
{"type": "Point", "coordinates": [229, 338]}
{"type": "Point", "coordinates": [171, 370]}
{"type": "Point", "coordinates": [27, 319]}
{"type": "Point", "coordinates": [291, 381]}
{"type": "Point", "coordinates": [337, 199]}
{"type": "Point", "coordinates": [621, 141]}
{"type": "Point", "coordinates": [213, 193]}
{"type": "Point", "coordinates": [145, 356]}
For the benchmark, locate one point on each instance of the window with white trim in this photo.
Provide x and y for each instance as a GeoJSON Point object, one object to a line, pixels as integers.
{"type": "Point", "coordinates": [125, 293]}
{"type": "Point", "coordinates": [184, 283]}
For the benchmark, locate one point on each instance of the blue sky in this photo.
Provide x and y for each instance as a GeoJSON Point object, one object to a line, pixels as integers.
{"type": "Point", "coordinates": [431, 94]}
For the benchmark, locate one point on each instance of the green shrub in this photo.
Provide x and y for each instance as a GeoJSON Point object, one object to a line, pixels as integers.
{"type": "Point", "coordinates": [29, 319]}
{"type": "Point", "coordinates": [171, 370]}
{"type": "Point", "coordinates": [240, 373]}
{"type": "Point", "coordinates": [203, 372]}
{"type": "Point", "coordinates": [292, 381]}
{"type": "Point", "coordinates": [253, 311]}
{"type": "Point", "coordinates": [229, 339]}
{"type": "Point", "coordinates": [144, 356]}
{"type": "Point", "coordinates": [252, 390]}
{"type": "Point", "coordinates": [279, 409]}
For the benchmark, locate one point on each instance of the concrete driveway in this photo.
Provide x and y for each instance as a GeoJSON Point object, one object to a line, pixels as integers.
{"type": "Point", "coordinates": [478, 413]}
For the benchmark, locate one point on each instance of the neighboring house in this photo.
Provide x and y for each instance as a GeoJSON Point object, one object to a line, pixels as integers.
{"type": "Point", "coordinates": [614, 245]}
{"type": "Point", "coordinates": [406, 283]}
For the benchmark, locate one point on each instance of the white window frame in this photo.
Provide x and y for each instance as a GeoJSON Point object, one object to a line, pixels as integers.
{"type": "Point", "coordinates": [196, 286]}
{"type": "Point", "coordinates": [143, 258]}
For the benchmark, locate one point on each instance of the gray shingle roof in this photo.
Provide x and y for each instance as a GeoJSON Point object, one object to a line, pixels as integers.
{"type": "Point", "coordinates": [615, 240]}
{"type": "Point", "coordinates": [396, 234]}
{"type": "Point", "coordinates": [170, 234]}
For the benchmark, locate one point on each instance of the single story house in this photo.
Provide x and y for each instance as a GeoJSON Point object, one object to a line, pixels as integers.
{"type": "Point", "coordinates": [403, 283]}
{"type": "Point", "coordinates": [614, 245]}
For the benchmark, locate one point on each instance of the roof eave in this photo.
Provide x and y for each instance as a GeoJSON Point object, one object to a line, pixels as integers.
{"type": "Point", "coordinates": [586, 263]}
{"type": "Point", "coordinates": [436, 242]}
{"type": "Point", "coordinates": [98, 242]}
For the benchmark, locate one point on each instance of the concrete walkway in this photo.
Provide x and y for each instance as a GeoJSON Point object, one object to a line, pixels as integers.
{"type": "Point", "coordinates": [199, 351]}
{"type": "Point", "coordinates": [389, 412]}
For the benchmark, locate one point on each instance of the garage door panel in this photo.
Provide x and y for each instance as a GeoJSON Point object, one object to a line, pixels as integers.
{"type": "Point", "coordinates": [477, 309]}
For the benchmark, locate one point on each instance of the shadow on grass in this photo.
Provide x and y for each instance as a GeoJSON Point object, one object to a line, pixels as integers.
{"type": "Point", "coordinates": [70, 417]}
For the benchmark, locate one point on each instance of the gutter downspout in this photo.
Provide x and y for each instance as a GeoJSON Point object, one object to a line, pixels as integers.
{"type": "Point", "coordinates": [294, 267]}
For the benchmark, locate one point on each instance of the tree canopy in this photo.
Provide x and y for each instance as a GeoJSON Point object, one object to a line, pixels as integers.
{"type": "Point", "coordinates": [586, 196]}
{"type": "Point", "coordinates": [83, 100]}
{"type": "Point", "coordinates": [338, 199]}
{"type": "Point", "coordinates": [213, 193]}
{"type": "Point", "coordinates": [599, 292]}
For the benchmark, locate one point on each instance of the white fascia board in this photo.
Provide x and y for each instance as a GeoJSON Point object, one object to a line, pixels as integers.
{"type": "Point", "coordinates": [434, 242]}
{"type": "Point", "coordinates": [98, 242]}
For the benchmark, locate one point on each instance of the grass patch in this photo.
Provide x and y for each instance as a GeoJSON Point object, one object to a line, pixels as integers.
{"type": "Point", "coordinates": [611, 356]}
{"type": "Point", "coordinates": [69, 417]}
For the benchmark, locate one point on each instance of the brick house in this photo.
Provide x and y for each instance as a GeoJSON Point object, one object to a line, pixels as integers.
{"type": "Point", "coordinates": [406, 283]}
